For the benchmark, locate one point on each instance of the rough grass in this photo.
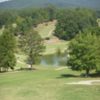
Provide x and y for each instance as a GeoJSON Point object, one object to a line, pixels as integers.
{"type": "Point", "coordinates": [53, 47]}
{"type": "Point", "coordinates": [46, 30]}
{"type": "Point", "coordinates": [45, 84]}
{"type": "Point", "coordinates": [21, 61]}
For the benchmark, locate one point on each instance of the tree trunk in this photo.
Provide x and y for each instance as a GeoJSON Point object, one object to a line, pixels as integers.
{"type": "Point", "coordinates": [87, 72]}
{"type": "Point", "coordinates": [31, 62]}
{"type": "Point", "coordinates": [31, 66]}
{"type": "Point", "coordinates": [0, 69]}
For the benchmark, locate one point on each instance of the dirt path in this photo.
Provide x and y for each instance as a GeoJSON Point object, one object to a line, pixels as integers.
{"type": "Point", "coordinates": [87, 82]}
{"type": "Point", "coordinates": [61, 68]}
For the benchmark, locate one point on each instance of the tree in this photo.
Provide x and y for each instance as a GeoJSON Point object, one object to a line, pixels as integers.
{"type": "Point", "coordinates": [94, 30]}
{"type": "Point", "coordinates": [32, 44]}
{"type": "Point", "coordinates": [97, 53]}
{"type": "Point", "coordinates": [51, 11]}
{"type": "Point", "coordinates": [7, 49]}
{"type": "Point", "coordinates": [6, 17]}
{"type": "Point", "coordinates": [22, 25]}
{"type": "Point", "coordinates": [84, 52]}
{"type": "Point", "coordinates": [70, 22]}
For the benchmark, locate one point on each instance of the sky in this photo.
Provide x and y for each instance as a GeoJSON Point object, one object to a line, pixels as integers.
{"type": "Point", "coordinates": [3, 0]}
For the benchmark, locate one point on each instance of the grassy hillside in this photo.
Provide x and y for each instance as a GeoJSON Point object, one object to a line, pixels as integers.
{"type": "Point", "coordinates": [46, 30]}
{"type": "Point", "coordinates": [46, 84]}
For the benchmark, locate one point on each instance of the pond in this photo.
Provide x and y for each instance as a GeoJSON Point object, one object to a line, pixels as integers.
{"type": "Point", "coordinates": [53, 60]}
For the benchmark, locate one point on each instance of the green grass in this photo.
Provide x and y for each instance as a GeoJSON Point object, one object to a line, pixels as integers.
{"type": "Point", "coordinates": [45, 84]}
{"type": "Point", "coordinates": [21, 61]}
{"type": "Point", "coordinates": [47, 30]}
{"type": "Point", "coordinates": [52, 48]}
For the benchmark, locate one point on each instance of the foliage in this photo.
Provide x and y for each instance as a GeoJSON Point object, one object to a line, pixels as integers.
{"type": "Point", "coordinates": [32, 44]}
{"type": "Point", "coordinates": [26, 18]}
{"type": "Point", "coordinates": [7, 17]}
{"type": "Point", "coordinates": [52, 10]}
{"type": "Point", "coordinates": [94, 30]}
{"type": "Point", "coordinates": [70, 22]}
{"type": "Point", "coordinates": [22, 25]}
{"type": "Point", "coordinates": [84, 52]}
{"type": "Point", "coordinates": [7, 49]}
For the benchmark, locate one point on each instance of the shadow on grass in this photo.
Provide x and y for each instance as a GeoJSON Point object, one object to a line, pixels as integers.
{"type": "Point", "coordinates": [19, 70]}
{"type": "Point", "coordinates": [68, 76]}
{"type": "Point", "coordinates": [26, 69]}
{"type": "Point", "coordinates": [3, 71]}
{"type": "Point", "coordinates": [95, 75]}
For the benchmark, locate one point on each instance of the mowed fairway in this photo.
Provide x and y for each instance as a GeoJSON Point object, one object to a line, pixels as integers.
{"type": "Point", "coordinates": [46, 84]}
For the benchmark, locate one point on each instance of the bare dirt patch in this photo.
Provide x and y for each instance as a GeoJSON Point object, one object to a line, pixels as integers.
{"type": "Point", "coordinates": [52, 40]}
{"type": "Point", "coordinates": [87, 82]}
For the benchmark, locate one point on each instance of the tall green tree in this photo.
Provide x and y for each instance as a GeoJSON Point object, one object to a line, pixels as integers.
{"type": "Point", "coordinates": [6, 17]}
{"type": "Point", "coordinates": [51, 10]}
{"type": "Point", "coordinates": [32, 45]}
{"type": "Point", "coordinates": [84, 52]}
{"type": "Point", "coordinates": [7, 50]}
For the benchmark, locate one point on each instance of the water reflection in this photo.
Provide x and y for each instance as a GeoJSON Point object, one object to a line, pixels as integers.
{"type": "Point", "coordinates": [54, 60]}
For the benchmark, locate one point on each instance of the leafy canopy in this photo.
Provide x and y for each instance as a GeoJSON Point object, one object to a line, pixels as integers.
{"type": "Point", "coordinates": [84, 52]}
{"type": "Point", "coordinates": [32, 45]}
{"type": "Point", "coordinates": [7, 50]}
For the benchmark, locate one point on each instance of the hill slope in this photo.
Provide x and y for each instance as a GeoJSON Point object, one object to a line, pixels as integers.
{"type": "Point", "coordinates": [41, 3]}
{"type": "Point", "coordinates": [46, 30]}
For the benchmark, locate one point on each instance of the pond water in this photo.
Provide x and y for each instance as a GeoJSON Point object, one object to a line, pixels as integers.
{"type": "Point", "coordinates": [53, 60]}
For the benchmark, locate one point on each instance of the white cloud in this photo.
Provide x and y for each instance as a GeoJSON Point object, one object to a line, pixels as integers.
{"type": "Point", "coordinates": [4, 0]}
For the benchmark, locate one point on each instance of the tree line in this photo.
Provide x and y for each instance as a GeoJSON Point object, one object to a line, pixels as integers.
{"type": "Point", "coordinates": [72, 21]}
{"type": "Point", "coordinates": [30, 16]}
